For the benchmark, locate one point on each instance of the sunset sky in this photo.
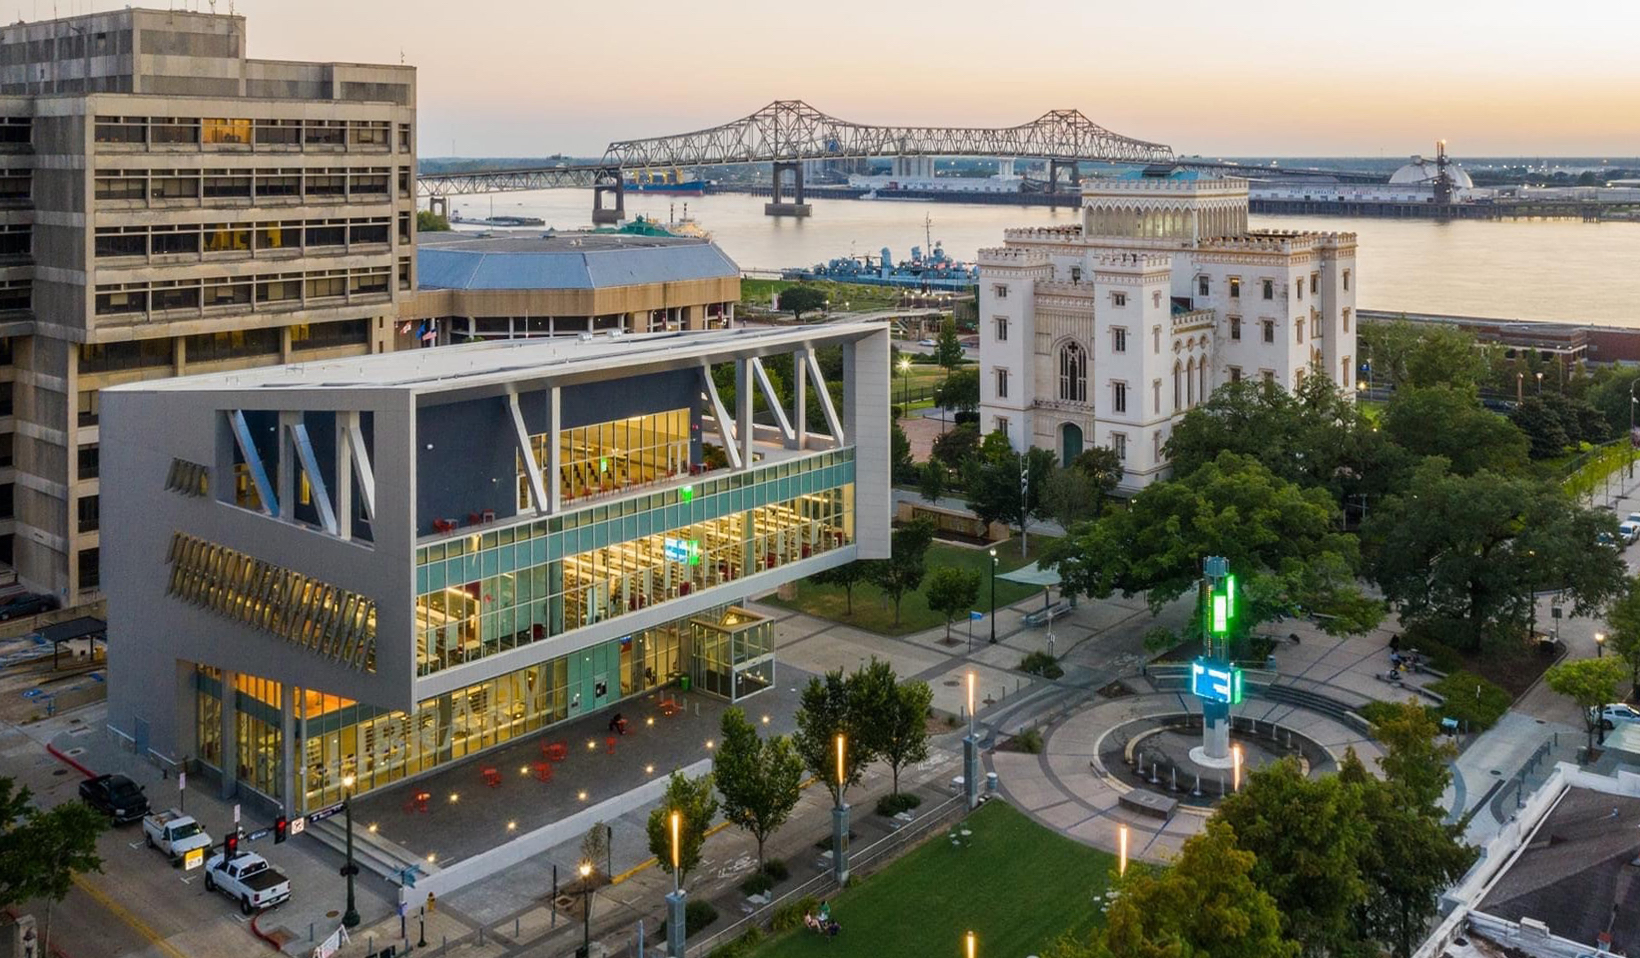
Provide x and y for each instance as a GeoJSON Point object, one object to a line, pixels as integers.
{"type": "Point", "coordinates": [1282, 77]}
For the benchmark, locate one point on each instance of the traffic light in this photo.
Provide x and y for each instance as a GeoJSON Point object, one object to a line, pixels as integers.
{"type": "Point", "coordinates": [230, 845]}
{"type": "Point", "coordinates": [281, 829]}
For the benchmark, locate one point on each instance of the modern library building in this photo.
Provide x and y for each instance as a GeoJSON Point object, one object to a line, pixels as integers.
{"type": "Point", "coordinates": [376, 566]}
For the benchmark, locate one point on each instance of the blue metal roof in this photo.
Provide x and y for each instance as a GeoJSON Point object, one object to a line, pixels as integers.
{"type": "Point", "coordinates": [473, 267]}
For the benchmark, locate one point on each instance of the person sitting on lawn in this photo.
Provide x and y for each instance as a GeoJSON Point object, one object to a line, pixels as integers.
{"type": "Point", "coordinates": [810, 922]}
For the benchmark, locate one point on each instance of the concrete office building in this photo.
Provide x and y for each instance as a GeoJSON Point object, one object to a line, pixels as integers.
{"type": "Point", "coordinates": [346, 568]}
{"type": "Point", "coordinates": [516, 285]}
{"type": "Point", "coordinates": [1107, 332]}
{"type": "Point", "coordinates": [169, 206]}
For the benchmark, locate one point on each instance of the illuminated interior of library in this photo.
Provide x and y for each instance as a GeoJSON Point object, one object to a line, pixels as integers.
{"type": "Point", "coordinates": [610, 456]}
{"type": "Point", "coordinates": [729, 652]}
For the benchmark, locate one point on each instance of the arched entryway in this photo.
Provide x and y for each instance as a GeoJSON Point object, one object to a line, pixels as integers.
{"type": "Point", "coordinates": [1070, 443]}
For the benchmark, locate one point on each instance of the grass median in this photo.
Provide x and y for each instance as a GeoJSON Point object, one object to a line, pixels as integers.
{"type": "Point", "coordinates": [875, 611]}
{"type": "Point", "coordinates": [1014, 883]}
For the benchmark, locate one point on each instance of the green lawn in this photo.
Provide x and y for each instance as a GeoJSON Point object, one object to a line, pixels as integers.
{"type": "Point", "coordinates": [874, 611]}
{"type": "Point", "coordinates": [860, 297]}
{"type": "Point", "coordinates": [1016, 885]}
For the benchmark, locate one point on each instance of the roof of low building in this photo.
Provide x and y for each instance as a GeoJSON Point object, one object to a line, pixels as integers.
{"type": "Point", "coordinates": [549, 260]}
{"type": "Point", "coordinates": [1578, 872]}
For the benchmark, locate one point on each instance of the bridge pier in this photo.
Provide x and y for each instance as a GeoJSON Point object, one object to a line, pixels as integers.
{"type": "Point", "coordinates": [777, 205]}
{"type": "Point", "coordinates": [608, 181]}
{"type": "Point", "coordinates": [439, 204]}
{"type": "Point", "coordinates": [1074, 175]}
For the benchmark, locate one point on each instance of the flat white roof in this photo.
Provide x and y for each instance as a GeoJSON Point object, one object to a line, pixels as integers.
{"type": "Point", "coordinates": [447, 368]}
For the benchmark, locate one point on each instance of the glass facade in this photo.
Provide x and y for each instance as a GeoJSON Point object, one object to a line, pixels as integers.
{"type": "Point", "coordinates": [485, 593]}
{"type": "Point", "coordinates": [732, 654]}
{"type": "Point", "coordinates": [612, 456]}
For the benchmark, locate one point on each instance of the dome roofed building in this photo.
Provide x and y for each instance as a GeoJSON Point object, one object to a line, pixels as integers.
{"type": "Point", "coordinates": [1423, 171]}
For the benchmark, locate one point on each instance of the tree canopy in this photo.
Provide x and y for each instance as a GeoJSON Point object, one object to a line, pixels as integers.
{"type": "Point", "coordinates": [948, 348]}
{"type": "Point", "coordinates": [801, 299]}
{"type": "Point", "coordinates": [903, 570]}
{"type": "Point", "coordinates": [760, 780]}
{"type": "Point", "coordinates": [41, 850]}
{"type": "Point", "coordinates": [695, 800]}
{"type": "Point", "coordinates": [1282, 541]}
{"type": "Point", "coordinates": [1591, 683]}
{"type": "Point", "coordinates": [1450, 422]}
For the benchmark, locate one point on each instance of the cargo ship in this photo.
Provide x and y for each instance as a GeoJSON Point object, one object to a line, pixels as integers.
{"type": "Point", "coordinates": [670, 183]}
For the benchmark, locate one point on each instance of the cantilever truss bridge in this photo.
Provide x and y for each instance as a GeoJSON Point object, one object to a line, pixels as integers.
{"type": "Point", "coordinates": [788, 131]}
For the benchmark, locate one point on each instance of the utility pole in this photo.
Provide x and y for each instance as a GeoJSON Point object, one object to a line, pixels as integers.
{"type": "Point", "coordinates": [1024, 507]}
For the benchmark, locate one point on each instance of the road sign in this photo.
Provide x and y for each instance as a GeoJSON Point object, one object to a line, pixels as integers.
{"type": "Point", "coordinates": [298, 825]}
{"type": "Point", "coordinates": [260, 833]}
{"type": "Point", "coordinates": [324, 813]}
{"type": "Point", "coordinates": [236, 814]}
{"type": "Point", "coordinates": [193, 858]}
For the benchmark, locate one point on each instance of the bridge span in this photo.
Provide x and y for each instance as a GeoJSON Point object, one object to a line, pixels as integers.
{"type": "Point", "coordinates": [788, 132]}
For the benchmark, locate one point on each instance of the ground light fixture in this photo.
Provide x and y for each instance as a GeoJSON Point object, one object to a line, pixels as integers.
{"type": "Point", "coordinates": [350, 917]}
{"type": "Point", "coordinates": [1235, 770]}
{"type": "Point", "coordinates": [586, 911]}
{"type": "Point", "coordinates": [1121, 850]}
{"type": "Point", "coordinates": [970, 945]}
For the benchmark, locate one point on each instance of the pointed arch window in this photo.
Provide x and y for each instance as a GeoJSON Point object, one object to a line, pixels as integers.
{"type": "Point", "coordinates": [1073, 373]}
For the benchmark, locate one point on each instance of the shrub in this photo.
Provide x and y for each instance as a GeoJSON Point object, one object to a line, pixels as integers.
{"type": "Point", "coordinates": [756, 884]}
{"type": "Point", "coordinates": [891, 805]}
{"type": "Point", "coordinates": [697, 914]}
{"type": "Point", "coordinates": [896, 411]}
{"type": "Point", "coordinates": [776, 870]}
{"type": "Point", "coordinates": [1041, 663]}
{"type": "Point", "coordinates": [1481, 710]}
{"type": "Point", "coordinates": [1029, 741]}
{"type": "Point", "coordinates": [790, 915]}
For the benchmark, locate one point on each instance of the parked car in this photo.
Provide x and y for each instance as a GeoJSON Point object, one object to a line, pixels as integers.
{"type": "Point", "coordinates": [174, 833]}
{"type": "Point", "coordinates": [26, 603]}
{"type": "Point", "coordinates": [1614, 714]}
{"type": "Point", "coordinates": [1634, 517]}
{"type": "Point", "coordinates": [925, 342]}
{"type": "Point", "coordinates": [115, 796]}
{"type": "Point", "coordinates": [1629, 531]}
{"type": "Point", "coordinates": [247, 879]}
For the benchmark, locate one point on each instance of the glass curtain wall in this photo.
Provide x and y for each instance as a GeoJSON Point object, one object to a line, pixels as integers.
{"type": "Point", "coordinates": [733, 654]}
{"type": "Point", "coordinates": [611, 456]}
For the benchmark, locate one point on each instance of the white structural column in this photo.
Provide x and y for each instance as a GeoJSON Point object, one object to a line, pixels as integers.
{"type": "Point", "coordinates": [720, 415]}
{"type": "Point", "coordinates": [344, 474]}
{"type": "Point", "coordinates": [865, 388]}
{"type": "Point", "coordinates": [286, 474]}
{"type": "Point", "coordinates": [363, 470]}
{"type": "Point", "coordinates": [298, 436]}
{"type": "Point", "coordinates": [745, 402]}
{"type": "Point", "coordinates": [253, 462]}
{"type": "Point", "coordinates": [554, 463]}
{"type": "Point", "coordinates": [800, 400]}
{"type": "Point", "coordinates": [532, 469]}
{"type": "Point", "coordinates": [771, 397]}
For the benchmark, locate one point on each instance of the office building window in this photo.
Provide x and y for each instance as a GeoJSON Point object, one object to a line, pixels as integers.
{"type": "Point", "coordinates": [1269, 330]}
{"type": "Point", "coordinates": [1201, 286]}
{"type": "Point", "coordinates": [1235, 328]}
{"type": "Point", "coordinates": [1118, 339]}
{"type": "Point", "coordinates": [88, 460]}
{"type": "Point", "coordinates": [90, 568]}
{"type": "Point", "coordinates": [1269, 288]}
{"type": "Point", "coordinates": [1118, 397]}
{"type": "Point", "coordinates": [1001, 324]}
{"type": "Point", "coordinates": [89, 509]}
{"type": "Point", "coordinates": [1002, 383]}
{"type": "Point", "coordinates": [1073, 373]}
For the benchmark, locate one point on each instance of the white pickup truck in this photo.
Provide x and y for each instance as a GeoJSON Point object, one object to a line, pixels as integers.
{"type": "Point", "coordinates": [247, 879]}
{"type": "Point", "coordinates": [174, 833]}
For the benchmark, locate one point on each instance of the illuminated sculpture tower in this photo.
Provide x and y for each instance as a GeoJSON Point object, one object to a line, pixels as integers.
{"type": "Point", "coordinates": [1214, 678]}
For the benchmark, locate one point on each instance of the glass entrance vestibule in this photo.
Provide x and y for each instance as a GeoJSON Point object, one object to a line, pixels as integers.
{"type": "Point", "coordinates": [725, 652]}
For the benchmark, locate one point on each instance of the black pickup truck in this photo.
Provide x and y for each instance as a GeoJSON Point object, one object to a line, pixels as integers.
{"type": "Point", "coordinates": [115, 796]}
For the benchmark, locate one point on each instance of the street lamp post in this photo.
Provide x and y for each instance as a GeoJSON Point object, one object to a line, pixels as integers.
{"type": "Point", "coordinates": [676, 913]}
{"type": "Point", "coordinates": [970, 946]}
{"type": "Point", "coordinates": [905, 385]}
{"type": "Point", "coordinates": [970, 748]}
{"type": "Point", "coordinates": [1599, 645]}
{"type": "Point", "coordinates": [839, 822]}
{"type": "Point", "coordinates": [1633, 401]}
{"type": "Point", "coordinates": [586, 911]}
{"type": "Point", "coordinates": [1540, 383]}
{"type": "Point", "coordinates": [993, 597]}
{"type": "Point", "coordinates": [350, 917]}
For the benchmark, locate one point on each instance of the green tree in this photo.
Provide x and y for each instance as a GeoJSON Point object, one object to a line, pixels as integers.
{"type": "Point", "coordinates": [956, 447]}
{"type": "Point", "coordinates": [960, 392]}
{"type": "Point", "coordinates": [41, 850]}
{"type": "Point", "coordinates": [845, 577]}
{"type": "Point", "coordinates": [696, 800]}
{"type": "Point", "coordinates": [1206, 905]}
{"type": "Point", "coordinates": [992, 480]}
{"type": "Point", "coordinates": [1464, 553]}
{"type": "Point", "coordinates": [801, 299]}
{"type": "Point", "coordinates": [1450, 422]}
{"type": "Point", "coordinates": [827, 708]}
{"type": "Point", "coordinates": [760, 780]}
{"type": "Point", "coordinates": [948, 349]}
{"type": "Point", "coordinates": [901, 463]}
{"type": "Point", "coordinates": [1103, 467]}
{"type": "Point", "coordinates": [428, 221]}
{"type": "Point", "coordinates": [1282, 543]}
{"type": "Point", "coordinates": [1542, 426]}
{"type": "Point", "coordinates": [1414, 758]}
{"type": "Point", "coordinates": [1404, 355]}
{"type": "Point", "coordinates": [952, 592]}
{"type": "Point", "coordinates": [903, 570]}
{"type": "Point", "coordinates": [1590, 683]}
{"type": "Point", "coordinates": [902, 738]}
{"type": "Point", "coordinates": [1623, 619]}
{"type": "Point", "coordinates": [1070, 498]}
{"type": "Point", "coordinates": [595, 846]}
{"type": "Point", "coordinates": [1306, 837]}
{"type": "Point", "coordinates": [931, 480]}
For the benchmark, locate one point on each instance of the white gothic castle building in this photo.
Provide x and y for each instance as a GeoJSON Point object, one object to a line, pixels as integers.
{"type": "Point", "coordinates": [1107, 332]}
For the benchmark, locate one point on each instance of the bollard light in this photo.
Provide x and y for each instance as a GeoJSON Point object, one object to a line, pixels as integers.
{"type": "Point", "coordinates": [1121, 850]}
{"type": "Point", "coordinates": [1235, 775]}
{"type": "Point", "coordinates": [840, 778]}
